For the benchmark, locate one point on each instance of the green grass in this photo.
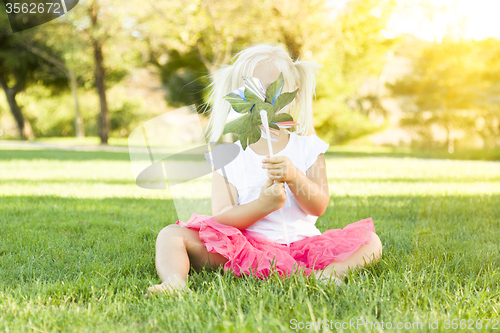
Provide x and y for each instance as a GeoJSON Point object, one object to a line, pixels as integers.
{"type": "Point", "coordinates": [78, 242]}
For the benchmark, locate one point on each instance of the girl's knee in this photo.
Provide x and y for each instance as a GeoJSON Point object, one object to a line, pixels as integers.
{"type": "Point", "coordinates": [172, 236]}
{"type": "Point", "coordinates": [172, 230]}
{"type": "Point", "coordinates": [376, 245]}
{"type": "Point", "coordinates": [175, 232]}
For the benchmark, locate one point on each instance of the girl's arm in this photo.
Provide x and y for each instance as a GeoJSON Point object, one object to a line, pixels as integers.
{"type": "Point", "coordinates": [310, 190]}
{"type": "Point", "coordinates": [225, 208]}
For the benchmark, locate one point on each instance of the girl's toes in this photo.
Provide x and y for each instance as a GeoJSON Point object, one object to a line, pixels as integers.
{"type": "Point", "coordinates": [332, 280]}
{"type": "Point", "coordinates": [165, 288]}
{"type": "Point", "coordinates": [158, 289]}
{"type": "Point", "coordinates": [337, 281]}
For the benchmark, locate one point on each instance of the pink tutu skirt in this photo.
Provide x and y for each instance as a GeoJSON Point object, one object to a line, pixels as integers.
{"type": "Point", "coordinates": [254, 254]}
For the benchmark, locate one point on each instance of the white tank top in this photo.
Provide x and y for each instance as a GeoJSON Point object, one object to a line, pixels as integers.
{"type": "Point", "coordinates": [247, 176]}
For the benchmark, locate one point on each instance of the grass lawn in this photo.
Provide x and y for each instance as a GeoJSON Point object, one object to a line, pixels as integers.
{"type": "Point", "coordinates": [78, 241]}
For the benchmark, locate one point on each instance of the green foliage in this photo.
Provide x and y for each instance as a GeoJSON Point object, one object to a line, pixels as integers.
{"type": "Point", "coordinates": [339, 124]}
{"type": "Point", "coordinates": [125, 116]}
{"type": "Point", "coordinates": [356, 51]}
{"type": "Point", "coordinates": [53, 115]}
{"type": "Point", "coordinates": [452, 86]}
{"type": "Point", "coordinates": [20, 69]}
{"type": "Point", "coordinates": [455, 86]}
{"type": "Point", "coordinates": [189, 40]}
{"type": "Point", "coordinates": [185, 78]}
{"type": "Point", "coordinates": [14, 57]}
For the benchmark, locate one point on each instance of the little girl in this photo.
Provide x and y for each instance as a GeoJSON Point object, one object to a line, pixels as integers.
{"type": "Point", "coordinates": [245, 233]}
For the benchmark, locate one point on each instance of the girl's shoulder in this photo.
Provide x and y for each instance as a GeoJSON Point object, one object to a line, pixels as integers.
{"type": "Point", "coordinates": [309, 146]}
{"type": "Point", "coordinates": [311, 140]}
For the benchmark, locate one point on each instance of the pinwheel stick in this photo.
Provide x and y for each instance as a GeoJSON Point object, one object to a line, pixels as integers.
{"type": "Point", "coordinates": [263, 117]}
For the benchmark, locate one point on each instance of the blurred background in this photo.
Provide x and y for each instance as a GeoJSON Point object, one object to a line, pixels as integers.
{"type": "Point", "coordinates": [416, 74]}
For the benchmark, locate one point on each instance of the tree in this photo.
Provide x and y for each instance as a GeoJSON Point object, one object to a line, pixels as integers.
{"type": "Point", "coordinates": [101, 27]}
{"type": "Point", "coordinates": [18, 69]}
{"type": "Point", "coordinates": [189, 40]}
{"type": "Point", "coordinates": [302, 26]}
{"type": "Point", "coordinates": [448, 88]}
{"type": "Point", "coordinates": [185, 78]}
{"type": "Point", "coordinates": [69, 72]}
{"type": "Point", "coordinates": [490, 129]}
{"type": "Point", "coordinates": [356, 51]}
{"type": "Point", "coordinates": [97, 43]}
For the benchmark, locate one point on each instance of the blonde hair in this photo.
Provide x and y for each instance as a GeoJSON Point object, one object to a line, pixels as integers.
{"type": "Point", "coordinates": [299, 74]}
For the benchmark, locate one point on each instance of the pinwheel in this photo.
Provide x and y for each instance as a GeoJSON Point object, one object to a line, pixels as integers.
{"type": "Point", "coordinates": [253, 97]}
{"type": "Point", "coordinates": [261, 109]}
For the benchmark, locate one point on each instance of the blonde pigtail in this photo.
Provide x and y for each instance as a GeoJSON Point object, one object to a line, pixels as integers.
{"type": "Point", "coordinates": [222, 84]}
{"type": "Point", "coordinates": [307, 71]}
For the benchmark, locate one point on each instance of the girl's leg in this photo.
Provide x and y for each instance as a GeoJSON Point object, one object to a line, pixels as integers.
{"type": "Point", "coordinates": [365, 255]}
{"type": "Point", "coordinates": [178, 248]}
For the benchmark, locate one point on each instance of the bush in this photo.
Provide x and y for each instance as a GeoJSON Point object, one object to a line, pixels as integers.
{"type": "Point", "coordinates": [336, 123]}
{"type": "Point", "coordinates": [51, 115]}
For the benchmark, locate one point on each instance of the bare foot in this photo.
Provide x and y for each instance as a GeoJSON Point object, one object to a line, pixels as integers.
{"type": "Point", "coordinates": [168, 287]}
{"type": "Point", "coordinates": [335, 280]}
{"type": "Point", "coordinates": [160, 289]}
{"type": "Point", "coordinates": [329, 280]}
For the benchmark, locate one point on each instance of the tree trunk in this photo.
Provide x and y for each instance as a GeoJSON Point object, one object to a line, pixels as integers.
{"type": "Point", "coordinates": [16, 111]}
{"type": "Point", "coordinates": [101, 89]}
{"type": "Point", "coordinates": [23, 126]}
{"type": "Point", "coordinates": [79, 130]}
{"type": "Point", "coordinates": [99, 76]}
{"type": "Point", "coordinates": [27, 130]}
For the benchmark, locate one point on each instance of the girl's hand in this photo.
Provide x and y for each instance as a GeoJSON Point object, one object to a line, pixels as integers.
{"type": "Point", "coordinates": [280, 168]}
{"type": "Point", "coordinates": [273, 196]}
